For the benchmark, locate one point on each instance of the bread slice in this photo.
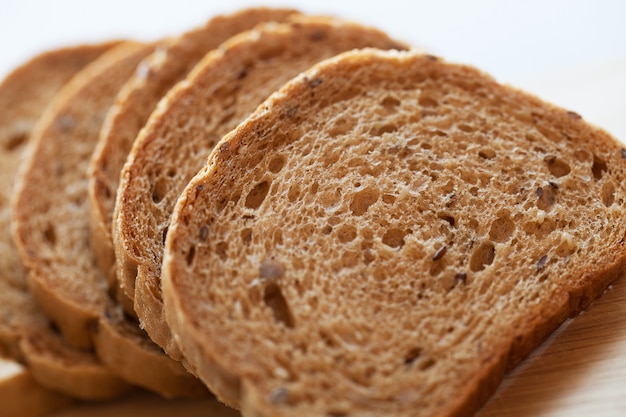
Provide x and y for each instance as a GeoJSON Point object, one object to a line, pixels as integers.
{"type": "Point", "coordinates": [52, 227]}
{"type": "Point", "coordinates": [24, 95]}
{"type": "Point", "coordinates": [219, 93]}
{"type": "Point", "coordinates": [386, 235]}
{"type": "Point", "coordinates": [25, 332]}
{"type": "Point", "coordinates": [173, 59]}
{"type": "Point", "coordinates": [21, 396]}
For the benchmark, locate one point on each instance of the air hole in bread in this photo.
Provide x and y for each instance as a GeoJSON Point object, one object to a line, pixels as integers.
{"type": "Point", "coordinates": [540, 228]}
{"type": "Point", "coordinates": [608, 194]}
{"type": "Point", "coordinates": [394, 238]}
{"type": "Point", "coordinates": [482, 256]}
{"type": "Point", "coordinates": [274, 299]}
{"type": "Point", "coordinates": [465, 128]}
{"type": "Point", "coordinates": [390, 103]}
{"type": "Point", "coordinates": [546, 197]}
{"type": "Point", "coordinates": [191, 254]}
{"type": "Point", "coordinates": [277, 163]}
{"type": "Point", "coordinates": [557, 166]}
{"type": "Point", "coordinates": [15, 141]}
{"type": "Point", "coordinates": [427, 364]}
{"type": "Point", "coordinates": [50, 235]}
{"type": "Point", "coordinates": [341, 126]}
{"type": "Point", "coordinates": [363, 199]}
{"type": "Point", "coordinates": [599, 167]}
{"type": "Point", "coordinates": [246, 236]}
{"type": "Point", "coordinates": [502, 228]}
{"type": "Point", "coordinates": [381, 130]}
{"type": "Point", "coordinates": [257, 195]}
{"type": "Point", "coordinates": [389, 199]}
{"type": "Point", "coordinates": [447, 218]}
{"type": "Point", "coordinates": [222, 250]}
{"type": "Point", "coordinates": [346, 233]}
{"type": "Point", "coordinates": [314, 187]}
{"type": "Point", "coordinates": [412, 355]}
{"type": "Point", "coordinates": [487, 153]}
{"type": "Point", "coordinates": [159, 190]}
{"type": "Point", "coordinates": [427, 101]}
{"type": "Point", "coordinates": [326, 230]}
{"type": "Point", "coordinates": [294, 193]}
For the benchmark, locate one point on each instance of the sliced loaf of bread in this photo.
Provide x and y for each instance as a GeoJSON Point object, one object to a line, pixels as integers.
{"type": "Point", "coordinates": [220, 92]}
{"type": "Point", "coordinates": [386, 235]}
{"type": "Point", "coordinates": [51, 219]}
{"type": "Point", "coordinates": [25, 332]}
{"type": "Point", "coordinates": [172, 60]}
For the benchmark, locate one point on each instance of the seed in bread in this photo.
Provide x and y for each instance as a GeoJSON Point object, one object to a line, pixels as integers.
{"type": "Point", "coordinates": [314, 239]}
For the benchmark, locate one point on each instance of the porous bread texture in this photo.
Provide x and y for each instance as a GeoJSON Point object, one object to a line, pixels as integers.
{"type": "Point", "coordinates": [385, 236]}
{"type": "Point", "coordinates": [21, 396]}
{"type": "Point", "coordinates": [220, 92]}
{"type": "Point", "coordinates": [24, 95]}
{"type": "Point", "coordinates": [171, 61]}
{"type": "Point", "coordinates": [52, 226]}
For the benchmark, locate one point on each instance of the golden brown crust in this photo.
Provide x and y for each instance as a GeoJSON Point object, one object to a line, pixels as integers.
{"type": "Point", "coordinates": [173, 59]}
{"type": "Point", "coordinates": [66, 370]}
{"type": "Point", "coordinates": [52, 227]}
{"type": "Point", "coordinates": [24, 94]}
{"type": "Point", "coordinates": [50, 232]}
{"type": "Point", "coordinates": [221, 91]}
{"type": "Point", "coordinates": [121, 345]}
{"type": "Point", "coordinates": [386, 235]}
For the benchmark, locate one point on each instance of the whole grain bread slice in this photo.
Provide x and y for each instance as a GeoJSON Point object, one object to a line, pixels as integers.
{"type": "Point", "coordinates": [171, 61]}
{"type": "Point", "coordinates": [386, 235]}
{"type": "Point", "coordinates": [24, 95]}
{"type": "Point", "coordinates": [220, 92]}
{"type": "Point", "coordinates": [51, 222]}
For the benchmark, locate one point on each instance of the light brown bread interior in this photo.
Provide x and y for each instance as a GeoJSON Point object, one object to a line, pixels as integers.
{"type": "Point", "coordinates": [219, 93]}
{"type": "Point", "coordinates": [385, 236]}
{"type": "Point", "coordinates": [52, 222]}
{"type": "Point", "coordinates": [171, 61]}
{"type": "Point", "coordinates": [24, 95]}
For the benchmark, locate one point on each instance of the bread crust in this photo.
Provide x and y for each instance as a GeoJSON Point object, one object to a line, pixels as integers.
{"type": "Point", "coordinates": [224, 88]}
{"type": "Point", "coordinates": [298, 353]}
{"type": "Point", "coordinates": [24, 95]}
{"type": "Point", "coordinates": [171, 61]}
{"type": "Point", "coordinates": [52, 227]}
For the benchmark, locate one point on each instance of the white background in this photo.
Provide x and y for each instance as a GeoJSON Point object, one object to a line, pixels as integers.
{"type": "Point", "coordinates": [572, 53]}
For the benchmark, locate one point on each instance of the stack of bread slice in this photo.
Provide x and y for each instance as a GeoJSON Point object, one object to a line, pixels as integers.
{"type": "Point", "coordinates": [297, 213]}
